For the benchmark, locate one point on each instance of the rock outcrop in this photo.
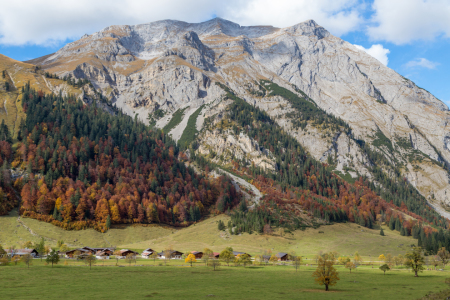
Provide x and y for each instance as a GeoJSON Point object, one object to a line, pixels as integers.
{"type": "Point", "coordinates": [170, 64]}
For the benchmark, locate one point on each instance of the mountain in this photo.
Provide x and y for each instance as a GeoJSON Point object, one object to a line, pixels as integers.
{"type": "Point", "coordinates": [165, 73]}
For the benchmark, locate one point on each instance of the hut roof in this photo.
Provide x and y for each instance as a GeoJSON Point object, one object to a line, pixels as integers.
{"type": "Point", "coordinates": [281, 254]}
{"type": "Point", "coordinates": [21, 251]}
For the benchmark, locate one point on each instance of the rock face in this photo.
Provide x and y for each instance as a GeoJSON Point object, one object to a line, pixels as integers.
{"type": "Point", "coordinates": [170, 64]}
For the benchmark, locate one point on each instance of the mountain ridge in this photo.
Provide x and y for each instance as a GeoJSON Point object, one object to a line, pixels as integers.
{"type": "Point", "coordinates": [169, 65]}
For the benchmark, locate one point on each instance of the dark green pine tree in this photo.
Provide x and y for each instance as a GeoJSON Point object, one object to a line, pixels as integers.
{"type": "Point", "coordinates": [398, 225]}
{"type": "Point", "coordinates": [392, 223]}
{"type": "Point", "coordinates": [381, 231]}
{"type": "Point", "coordinates": [108, 222]}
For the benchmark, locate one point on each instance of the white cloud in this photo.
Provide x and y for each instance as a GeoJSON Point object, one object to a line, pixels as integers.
{"type": "Point", "coordinates": [337, 16]}
{"type": "Point", "coordinates": [378, 52]}
{"type": "Point", "coordinates": [404, 21]}
{"type": "Point", "coordinates": [48, 21]}
{"type": "Point", "coordinates": [421, 62]}
{"type": "Point", "coordinates": [52, 21]}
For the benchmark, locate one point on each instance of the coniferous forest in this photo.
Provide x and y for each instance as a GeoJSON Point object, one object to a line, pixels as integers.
{"type": "Point", "coordinates": [300, 179]}
{"type": "Point", "coordinates": [85, 167]}
{"type": "Point", "coordinates": [88, 168]}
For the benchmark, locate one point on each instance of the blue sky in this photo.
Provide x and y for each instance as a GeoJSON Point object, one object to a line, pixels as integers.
{"type": "Point", "coordinates": [412, 36]}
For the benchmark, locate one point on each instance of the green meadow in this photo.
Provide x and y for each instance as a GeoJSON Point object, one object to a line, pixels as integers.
{"type": "Point", "coordinates": [177, 280]}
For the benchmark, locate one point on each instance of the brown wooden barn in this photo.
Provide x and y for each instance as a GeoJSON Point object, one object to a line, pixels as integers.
{"type": "Point", "coordinates": [198, 255]}
{"type": "Point", "coordinates": [173, 254]}
{"type": "Point", "coordinates": [282, 256]}
{"type": "Point", "coordinates": [125, 252]}
{"type": "Point", "coordinates": [147, 252]}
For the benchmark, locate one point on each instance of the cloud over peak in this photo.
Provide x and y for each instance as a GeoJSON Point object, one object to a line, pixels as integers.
{"type": "Point", "coordinates": [49, 21]}
{"type": "Point", "coordinates": [377, 51]}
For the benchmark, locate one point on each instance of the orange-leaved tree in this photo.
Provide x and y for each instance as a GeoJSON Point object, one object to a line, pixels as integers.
{"type": "Point", "coordinates": [349, 265]}
{"type": "Point", "coordinates": [326, 273]}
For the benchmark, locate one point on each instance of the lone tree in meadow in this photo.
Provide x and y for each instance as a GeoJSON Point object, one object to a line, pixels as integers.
{"type": "Point", "coordinates": [385, 268]}
{"type": "Point", "coordinates": [52, 258]}
{"type": "Point", "coordinates": [349, 265]}
{"type": "Point", "coordinates": [296, 262]}
{"type": "Point", "coordinates": [190, 259]}
{"type": "Point", "coordinates": [245, 259]}
{"type": "Point", "coordinates": [415, 260]}
{"type": "Point", "coordinates": [214, 263]}
{"type": "Point", "coordinates": [168, 254]}
{"type": "Point", "coordinates": [326, 273]}
{"type": "Point", "coordinates": [381, 231]}
{"type": "Point", "coordinates": [227, 255]}
{"type": "Point", "coordinates": [129, 258]}
{"type": "Point", "coordinates": [40, 248]}
{"type": "Point", "coordinates": [90, 260]}
{"type": "Point", "coordinates": [154, 256]}
{"type": "Point", "coordinates": [27, 259]}
{"type": "Point", "coordinates": [444, 256]}
{"type": "Point", "coordinates": [273, 259]}
{"type": "Point", "coordinates": [207, 255]}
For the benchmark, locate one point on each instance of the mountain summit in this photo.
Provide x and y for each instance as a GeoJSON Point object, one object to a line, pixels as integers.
{"type": "Point", "coordinates": [174, 75]}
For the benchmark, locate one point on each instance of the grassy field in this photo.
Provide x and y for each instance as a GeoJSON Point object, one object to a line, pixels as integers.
{"type": "Point", "coordinates": [345, 238]}
{"type": "Point", "coordinates": [183, 282]}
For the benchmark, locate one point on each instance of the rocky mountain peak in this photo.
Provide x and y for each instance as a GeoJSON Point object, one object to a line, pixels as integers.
{"type": "Point", "coordinates": [172, 65]}
{"type": "Point", "coordinates": [308, 28]}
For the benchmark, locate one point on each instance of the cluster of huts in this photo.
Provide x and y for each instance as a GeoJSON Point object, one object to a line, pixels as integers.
{"type": "Point", "coordinates": [100, 253]}
{"type": "Point", "coordinates": [105, 253]}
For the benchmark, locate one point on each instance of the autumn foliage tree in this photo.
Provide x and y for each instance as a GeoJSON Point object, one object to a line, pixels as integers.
{"type": "Point", "coordinates": [326, 274]}
{"type": "Point", "coordinates": [349, 265]}
{"type": "Point", "coordinates": [415, 260]}
{"type": "Point", "coordinates": [385, 268]}
{"type": "Point", "coordinates": [444, 256]}
{"type": "Point", "coordinates": [98, 169]}
{"type": "Point", "coordinates": [190, 259]}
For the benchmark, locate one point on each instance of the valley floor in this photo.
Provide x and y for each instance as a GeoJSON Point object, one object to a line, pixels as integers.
{"type": "Point", "coordinates": [179, 281]}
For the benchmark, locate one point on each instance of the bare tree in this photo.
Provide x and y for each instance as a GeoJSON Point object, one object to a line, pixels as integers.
{"type": "Point", "coordinates": [214, 263]}
{"type": "Point", "coordinates": [154, 256]}
{"type": "Point", "coordinates": [90, 260]}
{"type": "Point", "coordinates": [27, 259]}
{"type": "Point", "coordinates": [296, 260]}
{"type": "Point", "coordinates": [129, 258]}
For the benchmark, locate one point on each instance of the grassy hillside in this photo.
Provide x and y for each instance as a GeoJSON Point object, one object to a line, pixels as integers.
{"type": "Point", "coordinates": [200, 282]}
{"type": "Point", "coordinates": [346, 238]}
{"type": "Point", "coordinates": [14, 233]}
{"type": "Point", "coordinates": [17, 74]}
